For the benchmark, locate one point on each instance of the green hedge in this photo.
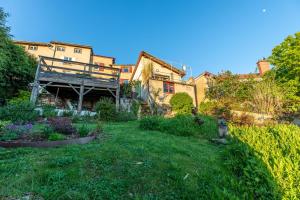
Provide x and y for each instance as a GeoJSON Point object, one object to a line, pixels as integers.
{"type": "Point", "coordinates": [278, 148]}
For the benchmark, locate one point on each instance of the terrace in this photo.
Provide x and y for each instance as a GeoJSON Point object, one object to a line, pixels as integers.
{"type": "Point", "coordinates": [75, 79]}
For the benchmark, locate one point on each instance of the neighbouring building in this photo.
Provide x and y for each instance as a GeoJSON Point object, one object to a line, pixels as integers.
{"type": "Point", "coordinates": [205, 80]}
{"type": "Point", "coordinates": [77, 53]}
{"type": "Point", "coordinates": [166, 80]}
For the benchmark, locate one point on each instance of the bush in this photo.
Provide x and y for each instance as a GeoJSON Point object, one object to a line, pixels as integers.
{"type": "Point", "coordinates": [182, 103]}
{"type": "Point", "coordinates": [56, 137]}
{"type": "Point", "coordinates": [124, 116]}
{"type": "Point", "coordinates": [207, 108]}
{"type": "Point", "coordinates": [15, 131]}
{"type": "Point", "coordinates": [277, 147]}
{"type": "Point", "coordinates": [47, 130]}
{"type": "Point", "coordinates": [3, 124]}
{"type": "Point", "coordinates": [150, 122]}
{"type": "Point", "coordinates": [243, 119]}
{"type": "Point", "coordinates": [49, 111]}
{"type": "Point", "coordinates": [106, 109]}
{"type": "Point", "coordinates": [22, 96]}
{"type": "Point", "coordinates": [22, 112]}
{"type": "Point", "coordinates": [62, 125]}
{"type": "Point", "coordinates": [83, 130]}
{"type": "Point", "coordinates": [182, 125]}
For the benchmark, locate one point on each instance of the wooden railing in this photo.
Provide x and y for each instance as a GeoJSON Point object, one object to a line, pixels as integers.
{"type": "Point", "coordinates": [78, 69]}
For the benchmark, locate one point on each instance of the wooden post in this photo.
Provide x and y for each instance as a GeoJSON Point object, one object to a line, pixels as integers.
{"type": "Point", "coordinates": [118, 92]}
{"type": "Point", "coordinates": [118, 98]}
{"type": "Point", "coordinates": [80, 98]}
{"type": "Point", "coordinates": [36, 84]}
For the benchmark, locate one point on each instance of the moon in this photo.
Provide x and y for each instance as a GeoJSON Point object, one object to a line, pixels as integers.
{"type": "Point", "coordinates": [264, 10]}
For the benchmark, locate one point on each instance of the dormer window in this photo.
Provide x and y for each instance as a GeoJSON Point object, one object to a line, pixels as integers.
{"type": "Point", "coordinates": [33, 48]}
{"type": "Point", "coordinates": [60, 48]}
{"type": "Point", "coordinates": [77, 50]}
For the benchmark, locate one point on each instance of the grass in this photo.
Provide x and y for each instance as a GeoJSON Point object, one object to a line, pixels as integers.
{"type": "Point", "coordinates": [128, 163]}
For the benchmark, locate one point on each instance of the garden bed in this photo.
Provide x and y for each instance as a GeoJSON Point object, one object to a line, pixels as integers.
{"type": "Point", "coordinates": [47, 144]}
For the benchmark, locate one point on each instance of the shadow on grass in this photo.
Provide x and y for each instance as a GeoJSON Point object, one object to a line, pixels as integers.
{"type": "Point", "coordinates": [254, 180]}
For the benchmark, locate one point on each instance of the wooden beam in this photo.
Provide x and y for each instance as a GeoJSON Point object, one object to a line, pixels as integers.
{"type": "Point", "coordinates": [80, 98]}
{"type": "Point", "coordinates": [74, 89]}
{"type": "Point", "coordinates": [118, 98]}
{"type": "Point", "coordinates": [88, 91]}
{"type": "Point", "coordinates": [111, 92]}
{"type": "Point", "coordinates": [67, 86]}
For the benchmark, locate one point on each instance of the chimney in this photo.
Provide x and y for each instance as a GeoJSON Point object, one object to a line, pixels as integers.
{"type": "Point", "coordinates": [263, 66]}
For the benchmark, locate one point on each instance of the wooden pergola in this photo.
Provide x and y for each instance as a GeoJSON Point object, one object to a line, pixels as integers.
{"type": "Point", "coordinates": [81, 77]}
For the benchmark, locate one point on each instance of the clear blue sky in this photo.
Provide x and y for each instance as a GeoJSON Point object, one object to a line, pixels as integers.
{"type": "Point", "coordinates": [210, 35]}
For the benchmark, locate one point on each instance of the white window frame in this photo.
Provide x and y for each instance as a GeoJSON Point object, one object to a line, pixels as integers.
{"type": "Point", "coordinates": [60, 48]}
{"type": "Point", "coordinates": [77, 50]}
{"type": "Point", "coordinates": [32, 47]}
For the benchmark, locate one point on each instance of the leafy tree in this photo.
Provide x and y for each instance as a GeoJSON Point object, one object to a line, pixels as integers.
{"type": "Point", "coordinates": [228, 89]}
{"type": "Point", "coordinates": [286, 60]}
{"type": "Point", "coordinates": [17, 68]}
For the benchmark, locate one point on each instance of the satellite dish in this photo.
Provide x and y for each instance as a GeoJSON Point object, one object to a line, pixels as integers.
{"type": "Point", "coordinates": [184, 67]}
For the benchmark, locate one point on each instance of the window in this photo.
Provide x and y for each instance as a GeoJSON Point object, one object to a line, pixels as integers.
{"type": "Point", "coordinates": [77, 50]}
{"type": "Point", "coordinates": [33, 48]}
{"type": "Point", "coordinates": [101, 65]}
{"type": "Point", "coordinates": [169, 87]}
{"type": "Point", "coordinates": [67, 58]}
{"type": "Point", "coordinates": [126, 69]}
{"type": "Point", "coordinates": [60, 48]}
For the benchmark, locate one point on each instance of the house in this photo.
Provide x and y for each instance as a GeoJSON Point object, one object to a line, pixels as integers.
{"type": "Point", "coordinates": [77, 53]}
{"type": "Point", "coordinates": [72, 74]}
{"type": "Point", "coordinates": [166, 80]}
{"type": "Point", "coordinates": [126, 72]}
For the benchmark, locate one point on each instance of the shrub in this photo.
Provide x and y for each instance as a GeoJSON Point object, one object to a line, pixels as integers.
{"type": "Point", "coordinates": [150, 122]}
{"type": "Point", "coordinates": [182, 125]}
{"type": "Point", "coordinates": [106, 109]}
{"type": "Point", "coordinates": [22, 96]}
{"type": "Point", "coordinates": [83, 130]}
{"type": "Point", "coordinates": [68, 113]}
{"type": "Point", "coordinates": [62, 125]}
{"type": "Point", "coordinates": [277, 147]}
{"type": "Point", "coordinates": [99, 127]}
{"type": "Point", "coordinates": [207, 108]}
{"type": "Point", "coordinates": [182, 103]}
{"type": "Point", "coordinates": [47, 130]}
{"type": "Point", "coordinates": [3, 124]}
{"type": "Point", "coordinates": [49, 111]}
{"type": "Point", "coordinates": [135, 107]}
{"type": "Point", "coordinates": [56, 137]}
{"type": "Point", "coordinates": [124, 116]}
{"type": "Point", "coordinates": [242, 119]}
{"type": "Point", "coordinates": [22, 112]}
{"type": "Point", "coordinates": [14, 131]}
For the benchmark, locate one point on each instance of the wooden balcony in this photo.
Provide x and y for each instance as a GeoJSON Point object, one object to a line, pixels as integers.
{"type": "Point", "coordinates": [53, 72]}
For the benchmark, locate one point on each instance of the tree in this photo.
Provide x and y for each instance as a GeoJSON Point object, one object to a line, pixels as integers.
{"type": "Point", "coordinates": [17, 68]}
{"type": "Point", "coordinates": [286, 60]}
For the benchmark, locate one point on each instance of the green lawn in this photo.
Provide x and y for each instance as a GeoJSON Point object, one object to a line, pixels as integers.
{"type": "Point", "coordinates": [127, 163]}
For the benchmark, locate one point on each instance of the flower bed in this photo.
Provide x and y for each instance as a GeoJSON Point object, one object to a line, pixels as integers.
{"type": "Point", "coordinates": [51, 132]}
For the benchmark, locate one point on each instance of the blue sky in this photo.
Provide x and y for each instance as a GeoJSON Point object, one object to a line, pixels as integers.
{"type": "Point", "coordinates": [211, 35]}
